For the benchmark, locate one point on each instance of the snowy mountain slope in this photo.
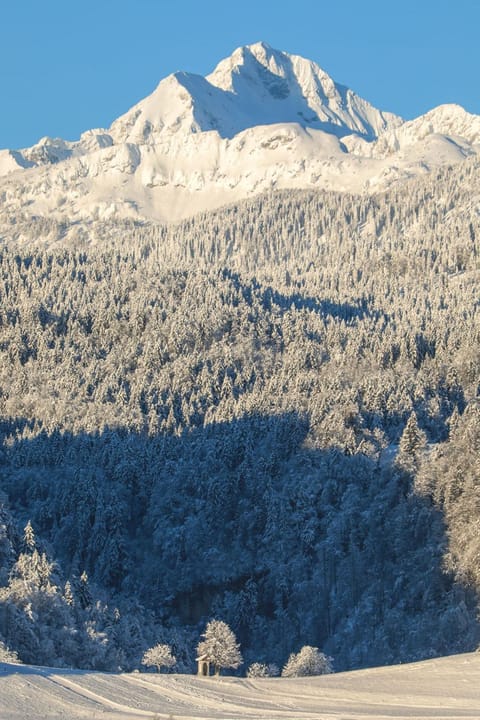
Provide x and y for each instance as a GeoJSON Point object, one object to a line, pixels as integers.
{"type": "Point", "coordinates": [262, 119]}
{"type": "Point", "coordinates": [255, 86]}
{"type": "Point", "coordinates": [442, 688]}
{"type": "Point", "coordinates": [273, 86]}
{"type": "Point", "coordinates": [447, 126]}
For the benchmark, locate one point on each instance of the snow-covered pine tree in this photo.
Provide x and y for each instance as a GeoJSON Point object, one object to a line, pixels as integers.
{"type": "Point", "coordinates": [412, 442]}
{"type": "Point", "coordinates": [29, 542]}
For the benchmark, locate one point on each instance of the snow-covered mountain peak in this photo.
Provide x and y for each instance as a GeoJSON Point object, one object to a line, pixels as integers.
{"type": "Point", "coordinates": [256, 85]}
{"type": "Point", "coordinates": [169, 107]}
{"type": "Point", "coordinates": [273, 86]}
{"type": "Point", "coordinates": [452, 119]}
{"type": "Point", "coordinates": [262, 119]}
{"type": "Point", "coordinates": [446, 134]}
{"type": "Point", "coordinates": [261, 50]}
{"type": "Point", "coordinates": [252, 62]}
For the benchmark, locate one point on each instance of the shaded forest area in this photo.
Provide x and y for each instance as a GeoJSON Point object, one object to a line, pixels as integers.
{"type": "Point", "coordinates": [267, 415]}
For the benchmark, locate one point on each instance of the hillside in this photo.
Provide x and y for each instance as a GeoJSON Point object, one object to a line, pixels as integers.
{"type": "Point", "coordinates": [443, 689]}
{"type": "Point", "coordinates": [268, 414]}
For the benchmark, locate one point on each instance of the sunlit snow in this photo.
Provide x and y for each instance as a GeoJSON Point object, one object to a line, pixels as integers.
{"type": "Point", "coordinates": [441, 688]}
{"type": "Point", "coordinates": [263, 119]}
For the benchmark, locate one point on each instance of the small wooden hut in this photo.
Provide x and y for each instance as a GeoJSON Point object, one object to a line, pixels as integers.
{"type": "Point", "coordinates": [203, 666]}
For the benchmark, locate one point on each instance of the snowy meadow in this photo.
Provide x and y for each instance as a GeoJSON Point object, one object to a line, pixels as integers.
{"type": "Point", "coordinates": [443, 689]}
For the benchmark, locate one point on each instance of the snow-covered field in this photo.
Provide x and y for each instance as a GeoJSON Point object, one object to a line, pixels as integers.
{"type": "Point", "coordinates": [442, 688]}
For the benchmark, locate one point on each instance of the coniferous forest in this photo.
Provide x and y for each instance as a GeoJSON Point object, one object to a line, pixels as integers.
{"type": "Point", "coordinates": [268, 415]}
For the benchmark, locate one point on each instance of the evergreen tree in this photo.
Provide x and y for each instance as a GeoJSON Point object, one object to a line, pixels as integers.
{"type": "Point", "coordinates": [412, 443]}
{"type": "Point", "coordinates": [29, 542]}
{"type": "Point", "coordinates": [83, 591]}
{"type": "Point", "coordinates": [68, 594]}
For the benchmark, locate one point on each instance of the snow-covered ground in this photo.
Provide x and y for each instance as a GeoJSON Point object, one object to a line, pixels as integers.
{"type": "Point", "coordinates": [440, 689]}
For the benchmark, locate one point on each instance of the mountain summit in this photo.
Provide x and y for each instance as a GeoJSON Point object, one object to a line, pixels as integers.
{"type": "Point", "coordinates": [256, 85]}
{"type": "Point", "coordinates": [274, 86]}
{"type": "Point", "coordinates": [262, 119]}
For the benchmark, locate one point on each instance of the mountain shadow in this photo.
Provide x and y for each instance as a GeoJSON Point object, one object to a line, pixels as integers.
{"type": "Point", "coordinates": [241, 520]}
{"type": "Point", "coordinates": [347, 311]}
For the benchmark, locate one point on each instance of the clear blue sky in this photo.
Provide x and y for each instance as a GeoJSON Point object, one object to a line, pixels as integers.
{"type": "Point", "coordinates": [70, 65]}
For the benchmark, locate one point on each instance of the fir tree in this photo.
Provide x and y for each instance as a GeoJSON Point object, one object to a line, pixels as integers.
{"type": "Point", "coordinates": [412, 443]}
{"type": "Point", "coordinates": [29, 541]}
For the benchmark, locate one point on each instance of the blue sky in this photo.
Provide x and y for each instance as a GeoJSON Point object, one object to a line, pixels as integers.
{"type": "Point", "coordinates": [69, 66]}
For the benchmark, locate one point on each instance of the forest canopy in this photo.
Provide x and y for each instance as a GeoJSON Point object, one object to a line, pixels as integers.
{"type": "Point", "coordinates": [268, 415]}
